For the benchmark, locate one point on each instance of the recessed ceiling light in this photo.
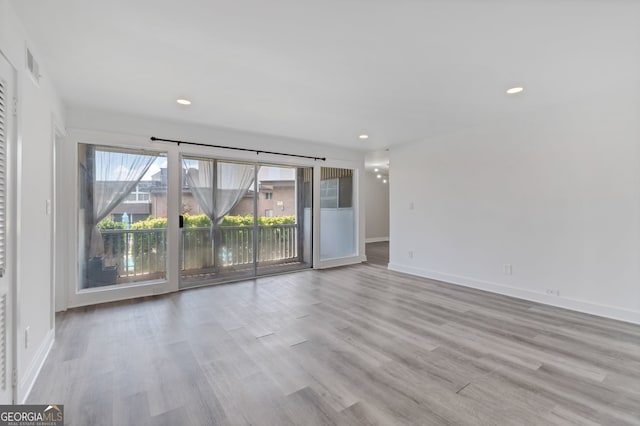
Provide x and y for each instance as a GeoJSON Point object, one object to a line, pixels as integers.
{"type": "Point", "coordinates": [364, 136]}
{"type": "Point", "coordinates": [183, 101]}
{"type": "Point", "coordinates": [376, 170]}
{"type": "Point", "coordinates": [514, 90]}
{"type": "Point", "coordinates": [379, 176]}
{"type": "Point", "coordinates": [384, 181]}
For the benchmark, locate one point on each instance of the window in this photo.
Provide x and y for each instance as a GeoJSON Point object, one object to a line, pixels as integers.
{"type": "Point", "coordinates": [345, 192]}
{"type": "Point", "coordinates": [138, 194]}
{"type": "Point", "coordinates": [337, 215]}
{"type": "Point", "coordinates": [122, 236]}
{"type": "Point", "coordinates": [336, 192]}
{"type": "Point", "coordinates": [268, 195]}
{"type": "Point", "coordinates": [329, 193]}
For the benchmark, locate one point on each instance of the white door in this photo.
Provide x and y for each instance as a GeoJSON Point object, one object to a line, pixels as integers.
{"type": "Point", "coordinates": [7, 222]}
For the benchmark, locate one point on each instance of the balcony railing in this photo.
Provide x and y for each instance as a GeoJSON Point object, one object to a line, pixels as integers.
{"type": "Point", "coordinates": [276, 244]}
{"type": "Point", "coordinates": [140, 254]}
{"type": "Point", "coordinates": [137, 254]}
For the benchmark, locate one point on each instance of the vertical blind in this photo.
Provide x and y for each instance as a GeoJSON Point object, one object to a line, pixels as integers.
{"type": "Point", "coordinates": [3, 181]}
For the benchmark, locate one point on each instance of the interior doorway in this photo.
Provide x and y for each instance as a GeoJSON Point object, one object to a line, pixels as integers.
{"type": "Point", "coordinates": [377, 195]}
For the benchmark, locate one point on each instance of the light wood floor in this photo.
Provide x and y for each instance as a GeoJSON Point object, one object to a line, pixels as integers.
{"type": "Point", "coordinates": [378, 253]}
{"type": "Point", "coordinates": [353, 345]}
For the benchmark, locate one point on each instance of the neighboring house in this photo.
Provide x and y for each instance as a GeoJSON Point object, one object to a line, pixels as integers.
{"type": "Point", "coordinates": [137, 205]}
{"type": "Point", "coordinates": [159, 196]}
{"type": "Point", "coordinates": [275, 198]}
{"type": "Point", "coordinates": [149, 198]}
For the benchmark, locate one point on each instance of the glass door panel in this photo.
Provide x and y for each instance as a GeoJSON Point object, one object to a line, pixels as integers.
{"type": "Point", "coordinates": [337, 213]}
{"type": "Point", "coordinates": [218, 224]}
{"type": "Point", "coordinates": [284, 212]}
{"type": "Point", "coordinates": [122, 216]}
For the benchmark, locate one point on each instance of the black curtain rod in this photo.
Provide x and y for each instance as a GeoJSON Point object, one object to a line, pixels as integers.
{"type": "Point", "coordinates": [153, 139]}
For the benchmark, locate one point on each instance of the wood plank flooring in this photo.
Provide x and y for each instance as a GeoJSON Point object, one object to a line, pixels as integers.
{"type": "Point", "coordinates": [378, 253]}
{"type": "Point", "coordinates": [351, 346]}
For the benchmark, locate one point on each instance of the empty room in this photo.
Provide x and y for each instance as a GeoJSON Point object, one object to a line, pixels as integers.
{"type": "Point", "coordinates": [353, 212]}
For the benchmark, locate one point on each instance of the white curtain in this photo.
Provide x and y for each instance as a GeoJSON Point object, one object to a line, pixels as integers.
{"type": "Point", "coordinates": [115, 175]}
{"type": "Point", "coordinates": [218, 186]}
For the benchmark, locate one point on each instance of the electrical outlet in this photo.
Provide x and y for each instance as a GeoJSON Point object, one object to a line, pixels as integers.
{"type": "Point", "coordinates": [552, 291]}
{"type": "Point", "coordinates": [508, 269]}
{"type": "Point", "coordinates": [410, 254]}
{"type": "Point", "coordinates": [26, 337]}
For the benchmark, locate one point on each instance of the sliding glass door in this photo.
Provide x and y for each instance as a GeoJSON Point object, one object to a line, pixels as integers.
{"type": "Point", "coordinates": [284, 214]}
{"type": "Point", "coordinates": [217, 220]}
{"type": "Point", "coordinates": [242, 219]}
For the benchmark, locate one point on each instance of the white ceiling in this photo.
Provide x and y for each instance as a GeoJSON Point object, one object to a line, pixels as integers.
{"type": "Point", "coordinates": [328, 70]}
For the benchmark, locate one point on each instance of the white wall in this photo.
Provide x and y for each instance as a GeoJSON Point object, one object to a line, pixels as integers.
{"type": "Point", "coordinates": [39, 109]}
{"type": "Point", "coordinates": [127, 124]}
{"type": "Point", "coordinates": [555, 194]}
{"type": "Point", "coordinates": [377, 206]}
{"type": "Point", "coordinates": [104, 127]}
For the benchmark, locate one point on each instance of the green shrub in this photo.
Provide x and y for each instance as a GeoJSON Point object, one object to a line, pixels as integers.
{"type": "Point", "coordinates": [150, 223]}
{"type": "Point", "coordinates": [237, 221]}
{"type": "Point", "coordinates": [110, 224]}
{"type": "Point", "coordinates": [202, 221]}
{"type": "Point", "coordinates": [143, 242]}
{"type": "Point", "coordinates": [280, 220]}
{"type": "Point", "coordinates": [196, 221]}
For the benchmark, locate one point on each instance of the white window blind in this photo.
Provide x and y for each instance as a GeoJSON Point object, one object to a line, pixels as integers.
{"type": "Point", "coordinates": [4, 112]}
{"type": "Point", "coordinates": [3, 342]}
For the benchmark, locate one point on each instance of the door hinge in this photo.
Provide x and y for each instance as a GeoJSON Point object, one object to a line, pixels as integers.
{"type": "Point", "coordinates": [14, 378]}
{"type": "Point", "coordinates": [15, 106]}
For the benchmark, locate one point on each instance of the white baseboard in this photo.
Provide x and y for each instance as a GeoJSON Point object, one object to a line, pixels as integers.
{"type": "Point", "coordinates": [376, 239]}
{"type": "Point", "coordinates": [31, 373]}
{"type": "Point", "coordinates": [341, 261]}
{"type": "Point", "coordinates": [533, 296]}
